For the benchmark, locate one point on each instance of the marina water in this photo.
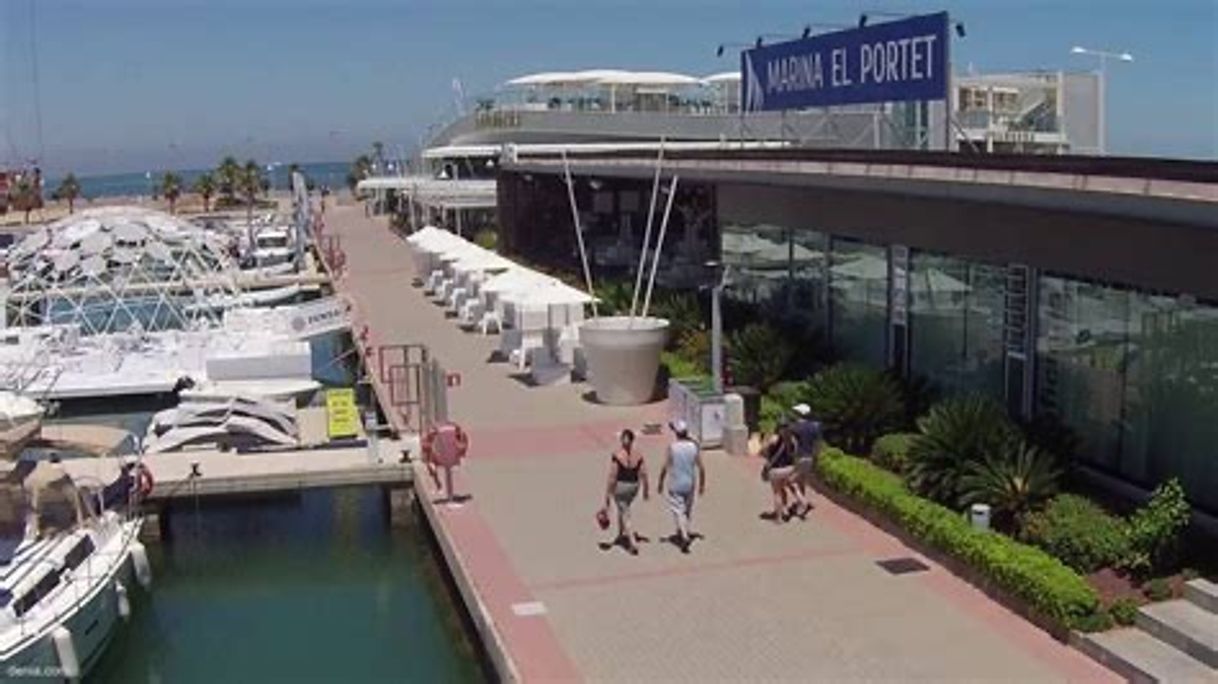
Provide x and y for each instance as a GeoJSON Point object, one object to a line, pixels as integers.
{"type": "Point", "coordinates": [310, 587]}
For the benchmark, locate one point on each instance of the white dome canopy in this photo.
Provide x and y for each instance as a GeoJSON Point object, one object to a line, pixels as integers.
{"type": "Point", "coordinates": [115, 268]}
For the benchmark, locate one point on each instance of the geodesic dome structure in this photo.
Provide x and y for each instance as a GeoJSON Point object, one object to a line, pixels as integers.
{"type": "Point", "coordinates": [120, 269]}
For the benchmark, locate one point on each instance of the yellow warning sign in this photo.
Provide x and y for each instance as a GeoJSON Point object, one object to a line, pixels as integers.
{"type": "Point", "coordinates": [342, 415]}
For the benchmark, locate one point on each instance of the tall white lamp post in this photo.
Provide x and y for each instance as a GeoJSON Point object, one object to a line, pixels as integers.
{"type": "Point", "coordinates": [1103, 56]}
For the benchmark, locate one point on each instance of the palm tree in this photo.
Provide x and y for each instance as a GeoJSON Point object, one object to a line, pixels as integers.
{"type": "Point", "coordinates": [227, 174]}
{"type": "Point", "coordinates": [171, 189]}
{"type": "Point", "coordinates": [378, 155]}
{"type": "Point", "coordinates": [69, 190]}
{"type": "Point", "coordinates": [249, 184]}
{"type": "Point", "coordinates": [205, 185]}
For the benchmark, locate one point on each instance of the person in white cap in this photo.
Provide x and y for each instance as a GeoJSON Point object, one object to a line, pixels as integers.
{"type": "Point", "coordinates": [684, 457]}
{"type": "Point", "coordinates": [808, 437]}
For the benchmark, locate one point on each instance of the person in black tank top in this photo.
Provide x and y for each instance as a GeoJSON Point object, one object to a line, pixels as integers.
{"type": "Point", "coordinates": [627, 473]}
{"type": "Point", "coordinates": [779, 471]}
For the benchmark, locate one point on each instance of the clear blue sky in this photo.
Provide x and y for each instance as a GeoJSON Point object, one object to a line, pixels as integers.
{"type": "Point", "coordinates": [138, 84]}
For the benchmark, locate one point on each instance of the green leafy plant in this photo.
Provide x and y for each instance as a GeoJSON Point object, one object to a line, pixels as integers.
{"type": "Point", "coordinates": [1013, 481]}
{"type": "Point", "coordinates": [954, 434]}
{"type": "Point", "coordinates": [1124, 611]}
{"type": "Point", "coordinates": [614, 296]}
{"type": "Point", "coordinates": [1099, 621]}
{"type": "Point", "coordinates": [1158, 589]}
{"type": "Point", "coordinates": [69, 191]}
{"type": "Point", "coordinates": [694, 346]}
{"type": "Point", "coordinates": [855, 405]}
{"type": "Point", "coordinates": [1154, 529]}
{"type": "Point", "coordinates": [891, 451]}
{"type": "Point", "coordinates": [1048, 433]}
{"type": "Point", "coordinates": [1077, 531]}
{"type": "Point", "coordinates": [1046, 585]}
{"type": "Point", "coordinates": [487, 238]}
{"type": "Point", "coordinates": [776, 404]}
{"type": "Point", "coordinates": [683, 312]}
{"type": "Point", "coordinates": [759, 356]}
{"type": "Point", "coordinates": [681, 369]}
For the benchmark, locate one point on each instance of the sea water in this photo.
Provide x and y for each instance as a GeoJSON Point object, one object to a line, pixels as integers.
{"type": "Point", "coordinates": [332, 174]}
{"type": "Point", "coordinates": [317, 586]}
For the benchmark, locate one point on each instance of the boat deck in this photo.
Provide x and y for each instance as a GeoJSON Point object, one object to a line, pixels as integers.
{"type": "Point", "coordinates": [553, 600]}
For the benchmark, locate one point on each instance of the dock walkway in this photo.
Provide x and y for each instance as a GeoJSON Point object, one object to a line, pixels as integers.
{"type": "Point", "coordinates": [754, 600]}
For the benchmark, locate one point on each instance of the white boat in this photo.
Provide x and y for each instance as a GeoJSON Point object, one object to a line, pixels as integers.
{"type": "Point", "coordinates": [235, 421]}
{"type": "Point", "coordinates": [65, 567]}
{"type": "Point", "coordinates": [20, 419]}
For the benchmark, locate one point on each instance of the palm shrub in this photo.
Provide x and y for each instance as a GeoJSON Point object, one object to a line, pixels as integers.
{"type": "Point", "coordinates": [694, 346]}
{"type": "Point", "coordinates": [855, 405]}
{"type": "Point", "coordinates": [1154, 529]}
{"type": "Point", "coordinates": [1077, 531]}
{"type": "Point", "coordinates": [613, 297]}
{"type": "Point", "coordinates": [891, 451]}
{"type": "Point", "coordinates": [758, 356]}
{"type": "Point", "coordinates": [1013, 481]}
{"type": "Point", "coordinates": [955, 433]}
{"type": "Point", "coordinates": [487, 238]}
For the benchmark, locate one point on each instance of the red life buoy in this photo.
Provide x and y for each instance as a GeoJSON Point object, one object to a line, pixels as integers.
{"type": "Point", "coordinates": [445, 444]}
{"type": "Point", "coordinates": [143, 481]}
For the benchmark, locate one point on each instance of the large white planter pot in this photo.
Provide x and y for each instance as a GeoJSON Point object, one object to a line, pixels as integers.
{"type": "Point", "coordinates": [623, 357]}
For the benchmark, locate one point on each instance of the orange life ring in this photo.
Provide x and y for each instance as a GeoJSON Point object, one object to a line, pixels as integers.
{"type": "Point", "coordinates": [445, 444]}
{"type": "Point", "coordinates": [144, 481]}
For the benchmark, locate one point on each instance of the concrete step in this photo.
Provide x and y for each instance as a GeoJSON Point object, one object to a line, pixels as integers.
{"type": "Point", "coordinates": [1189, 628]}
{"type": "Point", "coordinates": [1202, 593]}
{"type": "Point", "coordinates": [1139, 657]}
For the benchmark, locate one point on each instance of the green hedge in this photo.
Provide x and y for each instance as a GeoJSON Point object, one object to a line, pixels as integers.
{"type": "Point", "coordinates": [1048, 587]}
{"type": "Point", "coordinates": [892, 450]}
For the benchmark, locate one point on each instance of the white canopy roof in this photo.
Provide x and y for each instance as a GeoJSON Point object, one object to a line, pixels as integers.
{"type": "Point", "coordinates": [608, 77]}
{"type": "Point", "coordinates": [722, 77]}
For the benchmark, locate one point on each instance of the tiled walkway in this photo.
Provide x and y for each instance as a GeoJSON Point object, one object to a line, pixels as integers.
{"type": "Point", "coordinates": [753, 601]}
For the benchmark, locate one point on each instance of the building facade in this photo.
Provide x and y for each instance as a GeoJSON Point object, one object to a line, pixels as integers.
{"type": "Point", "coordinates": [1059, 291]}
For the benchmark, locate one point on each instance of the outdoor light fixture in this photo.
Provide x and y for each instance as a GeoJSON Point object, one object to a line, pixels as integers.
{"type": "Point", "coordinates": [759, 41]}
{"type": "Point", "coordinates": [863, 20]}
{"type": "Point", "coordinates": [719, 52]}
{"type": "Point", "coordinates": [807, 31]}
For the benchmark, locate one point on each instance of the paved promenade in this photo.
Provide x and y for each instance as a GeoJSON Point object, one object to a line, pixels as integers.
{"type": "Point", "coordinates": [753, 601]}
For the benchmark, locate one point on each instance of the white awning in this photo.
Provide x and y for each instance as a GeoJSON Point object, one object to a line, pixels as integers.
{"type": "Point", "coordinates": [722, 77]}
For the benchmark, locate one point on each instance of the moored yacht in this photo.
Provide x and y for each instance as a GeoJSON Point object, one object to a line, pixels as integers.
{"type": "Point", "coordinates": [66, 562]}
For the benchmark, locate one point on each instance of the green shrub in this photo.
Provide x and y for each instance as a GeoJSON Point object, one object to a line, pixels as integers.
{"type": "Point", "coordinates": [684, 316]}
{"type": "Point", "coordinates": [758, 356]}
{"type": "Point", "coordinates": [1048, 587]}
{"type": "Point", "coordinates": [892, 451]}
{"type": "Point", "coordinates": [954, 434]}
{"type": "Point", "coordinates": [487, 238]}
{"type": "Point", "coordinates": [1155, 528]}
{"type": "Point", "coordinates": [681, 369]}
{"type": "Point", "coordinates": [1013, 481]}
{"type": "Point", "coordinates": [694, 347]}
{"type": "Point", "coordinates": [1158, 589]}
{"type": "Point", "coordinates": [776, 404]}
{"type": "Point", "coordinates": [1124, 611]}
{"type": "Point", "coordinates": [1098, 621]}
{"type": "Point", "coordinates": [855, 405]}
{"type": "Point", "coordinates": [614, 297]}
{"type": "Point", "coordinates": [1079, 532]}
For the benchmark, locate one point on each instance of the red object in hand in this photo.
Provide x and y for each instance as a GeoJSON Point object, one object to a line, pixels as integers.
{"type": "Point", "coordinates": [602, 519]}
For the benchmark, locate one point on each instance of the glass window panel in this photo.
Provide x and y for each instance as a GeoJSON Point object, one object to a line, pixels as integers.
{"type": "Point", "coordinates": [1171, 396]}
{"type": "Point", "coordinates": [859, 290]}
{"type": "Point", "coordinates": [956, 319]}
{"type": "Point", "coordinates": [1081, 351]}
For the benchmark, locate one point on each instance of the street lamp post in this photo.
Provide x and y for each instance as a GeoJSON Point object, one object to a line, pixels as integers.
{"type": "Point", "coordinates": [1103, 56]}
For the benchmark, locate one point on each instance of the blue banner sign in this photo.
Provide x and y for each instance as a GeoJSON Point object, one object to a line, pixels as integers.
{"type": "Point", "coordinates": [896, 61]}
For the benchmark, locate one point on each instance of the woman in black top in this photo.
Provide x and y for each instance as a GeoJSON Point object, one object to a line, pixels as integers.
{"type": "Point", "coordinates": [627, 471]}
{"type": "Point", "coordinates": [779, 470]}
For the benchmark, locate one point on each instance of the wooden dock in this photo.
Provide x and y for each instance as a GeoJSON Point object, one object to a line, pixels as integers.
{"type": "Point", "coordinates": [207, 472]}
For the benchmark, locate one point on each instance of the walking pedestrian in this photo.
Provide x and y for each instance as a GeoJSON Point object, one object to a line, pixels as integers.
{"type": "Point", "coordinates": [627, 472]}
{"type": "Point", "coordinates": [684, 458]}
{"type": "Point", "coordinates": [779, 471]}
{"type": "Point", "coordinates": [808, 440]}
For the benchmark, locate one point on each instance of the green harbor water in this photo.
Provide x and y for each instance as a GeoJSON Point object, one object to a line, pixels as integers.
{"type": "Point", "coordinates": [309, 587]}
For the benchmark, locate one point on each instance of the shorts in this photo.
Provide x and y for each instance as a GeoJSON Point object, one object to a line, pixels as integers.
{"type": "Point", "coordinates": [624, 494]}
{"type": "Point", "coordinates": [783, 474]}
{"type": "Point", "coordinates": [804, 467]}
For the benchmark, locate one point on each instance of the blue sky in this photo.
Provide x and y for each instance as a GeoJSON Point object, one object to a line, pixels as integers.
{"type": "Point", "coordinates": [128, 85]}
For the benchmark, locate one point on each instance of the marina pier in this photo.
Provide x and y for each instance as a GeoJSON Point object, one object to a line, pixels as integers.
{"type": "Point", "coordinates": [552, 600]}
